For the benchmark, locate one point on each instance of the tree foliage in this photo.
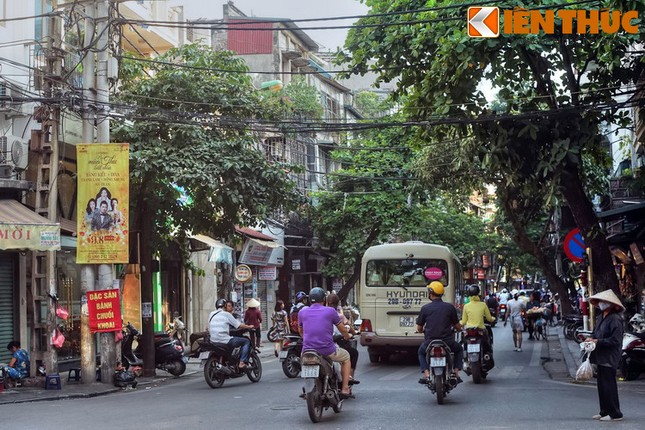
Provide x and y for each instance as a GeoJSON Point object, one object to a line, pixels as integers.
{"type": "Point", "coordinates": [556, 91]}
{"type": "Point", "coordinates": [186, 137]}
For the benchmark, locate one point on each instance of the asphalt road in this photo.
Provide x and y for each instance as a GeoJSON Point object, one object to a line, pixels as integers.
{"type": "Point", "coordinates": [518, 393]}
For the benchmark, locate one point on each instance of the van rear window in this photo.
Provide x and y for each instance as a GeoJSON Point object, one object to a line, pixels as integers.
{"type": "Point", "coordinates": [407, 272]}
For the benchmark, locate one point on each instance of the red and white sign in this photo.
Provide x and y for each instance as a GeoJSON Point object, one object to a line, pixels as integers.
{"type": "Point", "coordinates": [243, 273]}
{"type": "Point", "coordinates": [104, 309]}
{"type": "Point", "coordinates": [433, 273]}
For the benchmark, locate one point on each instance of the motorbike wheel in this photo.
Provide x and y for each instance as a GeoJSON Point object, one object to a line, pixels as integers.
{"type": "Point", "coordinates": [476, 369]}
{"type": "Point", "coordinates": [314, 404]}
{"type": "Point", "coordinates": [272, 334]}
{"type": "Point", "coordinates": [337, 408]}
{"type": "Point", "coordinates": [176, 368]}
{"type": "Point", "coordinates": [291, 365]}
{"type": "Point", "coordinates": [570, 330]}
{"type": "Point", "coordinates": [439, 387]}
{"type": "Point", "coordinates": [255, 373]}
{"type": "Point", "coordinates": [628, 372]}
{"type": "Point", "coordinates": [210, 373]}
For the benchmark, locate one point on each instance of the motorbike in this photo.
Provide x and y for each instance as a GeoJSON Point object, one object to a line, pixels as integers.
{"type": "Point", "coordinates": [221, 362]}
{"type": "Point", "coordinates": [441, 361]}
{"type": "Point", "coordinates": [632, 360]}
{"type": "Point", "coordinates": [322, 388]}
{"type": "Point", "coordinates": [493, 313]}
{"type": "Point", "coordinates": [169, 353]}
{"type": "Point", "coordinates": [290, 355]}
{"type": "Point", "coordinates": [272, 334]}
{"type": "Point", "coordinates": [479, 362]}
{"type": "Point", "coordinates": [176, 330]}
{"type": "Point", "coordinates": [502, 311]}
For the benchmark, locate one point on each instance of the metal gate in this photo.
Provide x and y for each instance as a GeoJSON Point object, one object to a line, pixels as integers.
{"type": "Point", "coordinates": [7, 302]}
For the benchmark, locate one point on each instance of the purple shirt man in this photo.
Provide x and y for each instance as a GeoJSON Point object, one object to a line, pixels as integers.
{"type": "Point", "coordinates": [317, 322]}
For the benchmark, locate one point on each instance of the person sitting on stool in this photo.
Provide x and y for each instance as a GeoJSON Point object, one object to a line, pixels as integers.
{"type": "Point", "coordinates": [18, 367]}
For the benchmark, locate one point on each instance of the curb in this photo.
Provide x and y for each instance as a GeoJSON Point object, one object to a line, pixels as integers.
{"type": "Point", "coordinates": [569, 359]}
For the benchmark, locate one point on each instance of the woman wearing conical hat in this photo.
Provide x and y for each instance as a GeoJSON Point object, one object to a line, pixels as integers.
{"type": "Point", "coordinates": [608, 337]}
{"type": "Point", "coordinates": [253, 317]}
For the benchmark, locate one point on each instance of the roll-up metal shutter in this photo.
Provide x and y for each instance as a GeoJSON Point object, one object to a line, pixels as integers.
{"type": "Point", "coordinates": [7, 282]}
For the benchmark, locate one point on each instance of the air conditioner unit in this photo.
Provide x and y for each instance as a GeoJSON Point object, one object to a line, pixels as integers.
{"type": "Point", "coordinates": [14, 151]}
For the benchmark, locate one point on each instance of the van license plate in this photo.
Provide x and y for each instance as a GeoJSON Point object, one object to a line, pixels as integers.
{"type": "Point", "coordinates": [437, 361]}
{"type": "Point", "coordinates": [473, 347]}
{"type": "Point", "coordinates": [309, 371]}
{"type": "Point", "coordinates": [406, 322]}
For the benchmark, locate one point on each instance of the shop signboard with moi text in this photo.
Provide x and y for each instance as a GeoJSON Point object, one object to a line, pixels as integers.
{"type": "Point", "coordinates": [104, 307]}
{"type": "Point", "coordinates": [103, 203]}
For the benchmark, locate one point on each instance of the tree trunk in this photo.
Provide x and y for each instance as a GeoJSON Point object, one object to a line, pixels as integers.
{"type": "Point", "coordinates": [604, 275]}
{"type": "Point", "coordinates": [526, 244]}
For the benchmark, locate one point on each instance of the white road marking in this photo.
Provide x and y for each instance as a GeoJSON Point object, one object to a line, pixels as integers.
{"type": "Point", "coordinates": [537, 353]}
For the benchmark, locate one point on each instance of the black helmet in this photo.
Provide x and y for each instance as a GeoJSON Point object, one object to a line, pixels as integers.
{"type": "Point", "coordinates": [220, 303]}
{"type": "Point", "coordinates": [300, 295]}
{"type": "Point", "coordinates": [317, 295]}
{"type": "Point", "coordinates": [473, 290]}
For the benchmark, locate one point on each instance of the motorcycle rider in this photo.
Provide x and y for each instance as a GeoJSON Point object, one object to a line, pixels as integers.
{"type": "Point", "coordinates": [219, 323]}
{"type": "Point", "coordinates": [474, 314]}
{"type": "Point", "coordinates": [504, 297]}
{"type": "Point", "coordinates": [492, 302]}
{"type": "Point", "coordinates": [438, 320]}
{"type": "Point", "coordinates": [301, 302]}
{"type": "Point", "coordinates": [315, 324]}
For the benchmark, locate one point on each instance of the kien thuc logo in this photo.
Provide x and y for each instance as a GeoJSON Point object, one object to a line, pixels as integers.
{"type": "Point", "coordinates": [485, 21]}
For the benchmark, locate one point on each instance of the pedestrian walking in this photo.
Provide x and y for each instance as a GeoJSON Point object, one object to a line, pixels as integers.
{"type": "Point", "coordinates": [608, 337]}
{"type": "Point", "coordinates": [281, 324]}
{"type": "Point", "coordinates": [253, 317]}
{"type": "Point", "coordinates": [515, 306]}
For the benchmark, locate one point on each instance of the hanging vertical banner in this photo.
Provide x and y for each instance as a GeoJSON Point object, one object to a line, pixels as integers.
{"type": "Point", "coordinates": [104, 308]}
{"type": "Point", "coordinates": [103, 203]}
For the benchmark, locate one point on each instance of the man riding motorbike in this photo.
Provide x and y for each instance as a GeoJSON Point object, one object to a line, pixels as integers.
{"type": "Point", "coordinates": [219, 323]}
{"type": "Point", "coordinates": [315, 324]}
{"type": "Point", "coordinates": [301, 302]}
{"type": "Point", "coordinates": [474, 314]}
{"type": "Point", "coordinates": [438, 320]}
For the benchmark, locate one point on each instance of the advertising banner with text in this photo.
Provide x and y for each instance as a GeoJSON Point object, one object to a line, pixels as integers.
{"type": "Point", "coordinates": [104, 308]}
{"type": "Point", "coordinates": [103, 203]}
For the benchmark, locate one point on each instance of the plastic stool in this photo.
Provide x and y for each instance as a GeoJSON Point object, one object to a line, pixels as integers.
{"type": "Point", "coordinates": [52, 382]}
{"type": "Point", "coordinates": [74, 374]}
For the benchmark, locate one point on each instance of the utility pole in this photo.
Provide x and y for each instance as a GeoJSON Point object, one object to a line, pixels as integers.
{"type": "Point", "coordinates": [88, 274]}
{"type": "Point", "coordinates": [108, 347]}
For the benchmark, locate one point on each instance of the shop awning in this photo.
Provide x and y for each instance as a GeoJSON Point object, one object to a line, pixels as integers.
{"type": "Point", "coordinates": [267, 243]}
{"type": "Point", "coordinates": [249, 232]}
{"type": "Point", "coordinates": [22, 228]}
{"type": "Point", "coordinates": [219, 252]}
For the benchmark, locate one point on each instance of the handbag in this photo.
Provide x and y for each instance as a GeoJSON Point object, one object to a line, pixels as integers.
{"type": "Point", "coordinates": [61, 312]}
{"type": "Point", "coordinates": [58, 338]}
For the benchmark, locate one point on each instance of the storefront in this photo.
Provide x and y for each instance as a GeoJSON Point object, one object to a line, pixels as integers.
{"type": "Point", "coordinates": [23, 236]}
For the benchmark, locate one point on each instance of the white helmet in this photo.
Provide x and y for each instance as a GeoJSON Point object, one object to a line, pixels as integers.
{"type": "Point", "coordinates": [637, 323]}
{"type": "Point", "coordinates": [504, 290]}
{"type": "Point", "coordinates": [514, 291]}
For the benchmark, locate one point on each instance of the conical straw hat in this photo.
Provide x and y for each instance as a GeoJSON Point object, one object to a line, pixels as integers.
{"type": "Point", "coordinates": [607, 296]}
{"type": "Point", "coordinates": [252, 304]}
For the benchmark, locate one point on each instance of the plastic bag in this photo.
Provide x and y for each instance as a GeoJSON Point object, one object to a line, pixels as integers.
{"type": "Point", "coordinates": [61, 312]}
{"type": "Point", "coordinates": [58, 338]}
{"type": "Point", "coordinates": [585, 371]}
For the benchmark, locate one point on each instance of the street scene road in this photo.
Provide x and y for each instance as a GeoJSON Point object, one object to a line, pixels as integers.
{"type": "Point", "coordinates": [519, 393]}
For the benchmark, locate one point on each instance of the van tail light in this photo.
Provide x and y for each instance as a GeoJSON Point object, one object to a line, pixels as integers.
{"type": "Point", "coordinates": [366, 325]}
{"type": "Point", "coordinates": [437, 351]}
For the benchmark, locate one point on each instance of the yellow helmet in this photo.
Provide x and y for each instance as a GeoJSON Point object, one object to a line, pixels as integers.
{"type": "Point", "coordinates": [436, 287]}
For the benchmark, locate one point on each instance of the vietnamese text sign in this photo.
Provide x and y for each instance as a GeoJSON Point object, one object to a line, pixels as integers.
{"type": "Point", "coordinates": [104, 308]}
{"type": "Point", "coordinates": [269, 273]}
{"type": "Point", "coordinates": [37, 237]}
{"type": "Point", "coordinates": [255, 253]}
{"type": "Point", "coordinates": [484, 21]}
{"type": "Point", "coordinates": [103, 203]}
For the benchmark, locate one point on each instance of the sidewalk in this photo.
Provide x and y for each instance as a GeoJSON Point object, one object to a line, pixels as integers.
{"type": "Point", "coordinates": [77, 390]}
{"type": "Point", "coordinates": [565, 358]}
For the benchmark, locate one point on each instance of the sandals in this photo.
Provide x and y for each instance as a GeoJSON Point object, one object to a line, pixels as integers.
{"type": "Point", "coordinates": [353, 381]}
{"type": "Point", "coordinates": [424, 381]}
